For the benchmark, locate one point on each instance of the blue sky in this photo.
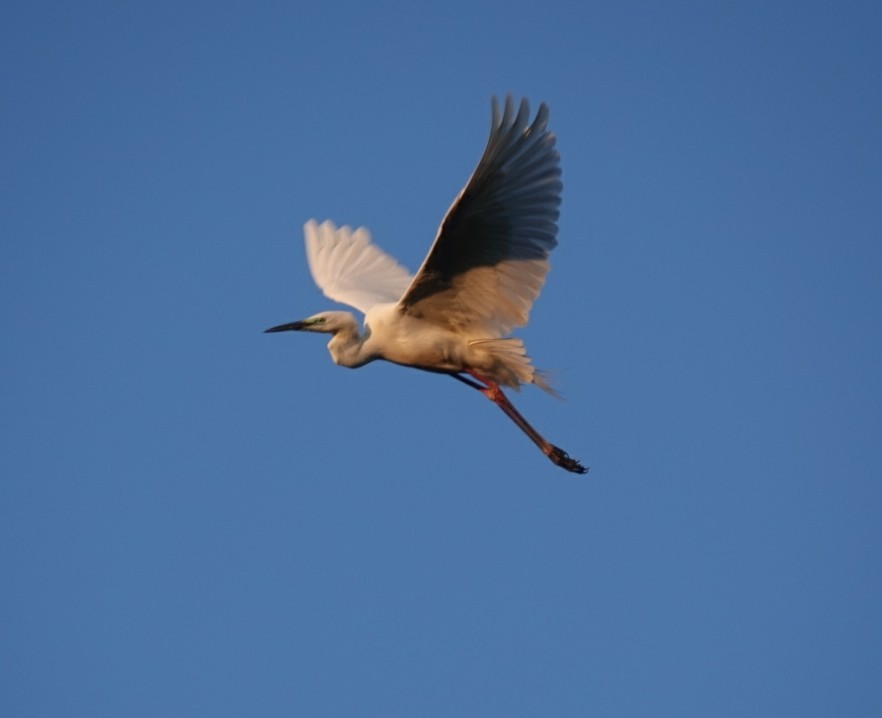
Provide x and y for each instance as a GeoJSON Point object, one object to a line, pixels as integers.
{"type": "Point", "coordinates": [198, 519]}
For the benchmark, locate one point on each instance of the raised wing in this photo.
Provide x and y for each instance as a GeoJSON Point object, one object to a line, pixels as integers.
{"type": "Point", "coordinates": [350, 269]}
{"type": "Point", "coordinates": [489, 260]}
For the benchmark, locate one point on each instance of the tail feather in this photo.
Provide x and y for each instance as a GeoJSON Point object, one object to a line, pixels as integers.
{"type": "Point", "coordinates": [511, 366]}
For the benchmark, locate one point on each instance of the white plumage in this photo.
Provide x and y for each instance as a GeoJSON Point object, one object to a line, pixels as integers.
{"type": "Point", "coordinates": [478, 282]}
{"type": "Point", "coordinates": [350, 269]}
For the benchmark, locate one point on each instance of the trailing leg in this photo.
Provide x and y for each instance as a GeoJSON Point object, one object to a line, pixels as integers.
{"type": "Point", "coordinates": [492, 391]}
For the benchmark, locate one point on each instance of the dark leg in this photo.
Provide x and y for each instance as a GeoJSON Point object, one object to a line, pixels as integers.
{"type": "Point", "coordinates": [491, 390]}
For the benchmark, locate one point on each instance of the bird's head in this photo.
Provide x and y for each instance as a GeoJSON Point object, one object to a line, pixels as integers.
{"type": "Point", "coordinates": [324, 322]}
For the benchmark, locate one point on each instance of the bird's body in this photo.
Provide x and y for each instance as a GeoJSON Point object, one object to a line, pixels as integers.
{"type": "Point", "coordinates": [388, 334]}
{"type": "Point", "coordinates": [478, 282]}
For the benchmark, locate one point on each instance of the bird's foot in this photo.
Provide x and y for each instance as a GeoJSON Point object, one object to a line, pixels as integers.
{"type": "Point", "coordinates": [562, 459]}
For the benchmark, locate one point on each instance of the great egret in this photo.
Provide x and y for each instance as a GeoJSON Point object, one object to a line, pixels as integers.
{"type": "Point", "coordinates": [478, 282]}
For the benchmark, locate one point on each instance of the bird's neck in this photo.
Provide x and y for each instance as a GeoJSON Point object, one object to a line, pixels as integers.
{"type": "Point", "coordinates": [347, 347]}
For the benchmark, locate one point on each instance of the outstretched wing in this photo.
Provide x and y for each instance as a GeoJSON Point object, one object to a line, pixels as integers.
{"type": "Point", "coordinates": [489, 260]}
{"type": "Point", "coordinates": [350, 269]}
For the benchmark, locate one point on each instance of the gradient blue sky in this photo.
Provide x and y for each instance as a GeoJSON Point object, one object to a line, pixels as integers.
{"type": "Point", "coordinates": [197, 519]}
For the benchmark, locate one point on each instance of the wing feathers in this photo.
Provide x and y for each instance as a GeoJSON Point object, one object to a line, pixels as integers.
{"type": "Point", "coordinates": [489, 260]}
{"type": "Point", "coordinates": [349, 268]}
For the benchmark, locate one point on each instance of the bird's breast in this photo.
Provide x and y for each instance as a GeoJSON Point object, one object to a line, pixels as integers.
{"type": "Point", "coordinates": [402, 339]}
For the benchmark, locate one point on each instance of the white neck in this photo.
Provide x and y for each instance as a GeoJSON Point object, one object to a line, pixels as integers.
{"type": "Point", "coordinates": [347, 347]}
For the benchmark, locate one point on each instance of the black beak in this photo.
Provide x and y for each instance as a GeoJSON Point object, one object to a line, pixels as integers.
{"type": "Point", "coordinates": [290, 327]}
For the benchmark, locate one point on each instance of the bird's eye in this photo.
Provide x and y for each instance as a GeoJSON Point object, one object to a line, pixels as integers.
{"type": "Point", "coordinates": [317, 320]}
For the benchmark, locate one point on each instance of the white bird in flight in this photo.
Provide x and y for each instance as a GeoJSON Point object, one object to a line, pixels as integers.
{"type": "Point", "coordinates": [478, 282]}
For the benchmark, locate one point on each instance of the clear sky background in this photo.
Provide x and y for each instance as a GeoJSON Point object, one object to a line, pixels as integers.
{"type": "Point", "coordinates": [197, 519]}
